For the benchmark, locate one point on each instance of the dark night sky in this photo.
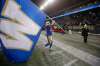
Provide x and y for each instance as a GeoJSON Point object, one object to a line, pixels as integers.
{"type": "Point", "coordinates": [60, 5]}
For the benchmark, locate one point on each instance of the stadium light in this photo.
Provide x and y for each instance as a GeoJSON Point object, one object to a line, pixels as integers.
{"type": "Point", "coordinates": [46, 3]}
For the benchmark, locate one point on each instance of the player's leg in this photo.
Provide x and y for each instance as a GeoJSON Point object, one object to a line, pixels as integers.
{"type": "Point", "coordinates": [48, 39]}
{"type": "Point", "coordinates": [85, 39]}
{"type": "Point", "coordinates": [51, 40]}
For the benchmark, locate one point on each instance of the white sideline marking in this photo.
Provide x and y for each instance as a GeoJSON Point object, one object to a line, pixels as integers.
{"type": "Point", "coordinates": [84, 56]}
{"type": "Point", "coordinates": [71, 62]}
{"type": "Point", "coordinates": [56, 52]}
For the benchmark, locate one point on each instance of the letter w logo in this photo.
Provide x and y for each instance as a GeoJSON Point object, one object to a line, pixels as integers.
{"type": "Point", "coordinates": [13, 32]}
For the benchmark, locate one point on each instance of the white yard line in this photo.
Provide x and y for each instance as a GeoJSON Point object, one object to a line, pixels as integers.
{"type": "Point", "coordinates": [56, 52]}
{"type": "Point", "coordinates": [82, 55]}
{"type": "Point", "coordinates": [92, 44]}
{"type": "Point", "coordinates": [71, 62]}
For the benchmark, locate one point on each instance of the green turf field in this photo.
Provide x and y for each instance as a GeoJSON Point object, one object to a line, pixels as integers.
{"type": "Point", "coordinates": [65, 51]}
